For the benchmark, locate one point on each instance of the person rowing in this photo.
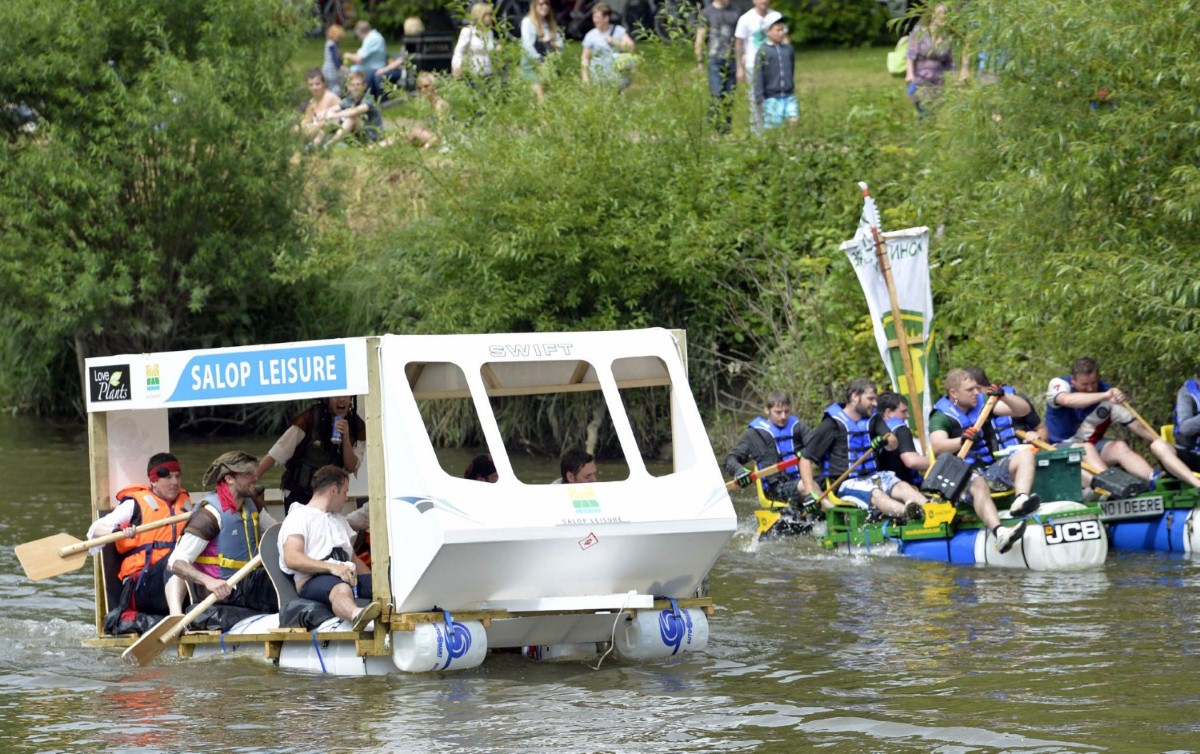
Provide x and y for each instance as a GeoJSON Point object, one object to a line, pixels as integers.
{"type": "Point", "coordinates": [777, 435]}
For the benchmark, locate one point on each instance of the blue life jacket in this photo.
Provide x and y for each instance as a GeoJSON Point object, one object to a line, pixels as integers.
{"type": "Point", "coordinates": [237, 541]}
{"type": "Point", "coordinates": [1006, 435]}
{"type": "Point", "coordinates": [980, 452]}
{"type": "Point", "coordinates": [858, 441]}
{"type": "Point", "coordinates": [784, 440]}
{"type": "Point", "coordinates": [1063, 422]}
{"type": "Point", "coordinates": [912, 476]}
{"type": "Point", "coordinates": [1193, 389]}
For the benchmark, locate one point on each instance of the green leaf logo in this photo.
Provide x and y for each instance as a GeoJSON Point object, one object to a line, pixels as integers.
{"type": "Point", "coordinates": [115, 379]}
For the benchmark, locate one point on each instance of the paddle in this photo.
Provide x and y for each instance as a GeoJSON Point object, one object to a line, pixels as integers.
{"type": "Point", "coordinates": [62, 553]}
{"type": "Point", "coordinates": [767, 518]}
{"type": "Point", "coordinates": [1143, 422]}
{"type": "Point", "coordinates": [164, 632]}
{"type": "Point", "coordinates": [764, 473]}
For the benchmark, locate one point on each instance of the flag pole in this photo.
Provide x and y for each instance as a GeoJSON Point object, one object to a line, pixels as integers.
{"type": "Point", "coordinates": [885, 267]}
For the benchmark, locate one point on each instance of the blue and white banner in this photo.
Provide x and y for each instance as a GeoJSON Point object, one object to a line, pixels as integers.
{"type": "Point", "coordinates": [219, 376]}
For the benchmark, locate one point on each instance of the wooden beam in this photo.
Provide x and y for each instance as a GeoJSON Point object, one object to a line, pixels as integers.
{"type": "Point", "coordinates": [489, 378]}
{"type": "Point", "coordinates": [581, 369]}
{"type": "Point", "coordinates": [413, 371]}
{"type": "Point", "coordinates": [381, 558]}
{"type": "Point", "coordinates": [99, 483]}
{"type": "Point", "coordinates": [431, 395]}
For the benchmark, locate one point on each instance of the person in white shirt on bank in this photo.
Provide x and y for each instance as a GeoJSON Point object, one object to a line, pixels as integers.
{"type": "Point", "coordinates": [748, 37]}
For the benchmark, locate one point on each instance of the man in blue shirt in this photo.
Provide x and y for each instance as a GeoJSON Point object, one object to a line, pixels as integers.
{"type": "Point", "coordinates": [372, 55]}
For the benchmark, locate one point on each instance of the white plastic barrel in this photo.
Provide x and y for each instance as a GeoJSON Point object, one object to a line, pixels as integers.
{"type": "Point", "coordinates": [1052, 544]}
{"type": "Point", "coordinates": [655, 634]}
{"type": "Point", "coordinates": [436, 646]}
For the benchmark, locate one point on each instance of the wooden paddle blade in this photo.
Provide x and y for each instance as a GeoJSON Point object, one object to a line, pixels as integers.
{"type": "Point", "coordinates": [41, 560]}
{"type": "Point", "coordinates": [151, 643]}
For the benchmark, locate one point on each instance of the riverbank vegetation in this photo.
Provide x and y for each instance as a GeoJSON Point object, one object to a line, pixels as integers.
{"type": "Point", "coordinates": [163, 204]}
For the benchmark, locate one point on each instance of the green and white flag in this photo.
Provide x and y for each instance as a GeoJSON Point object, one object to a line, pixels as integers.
{"type": "Point", "coordinates": [908, 257]}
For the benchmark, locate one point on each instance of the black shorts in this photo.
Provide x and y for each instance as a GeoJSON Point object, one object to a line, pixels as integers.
{"type": "Point", "coordinates": [150, 590]}
{"type": "Point", "coordinates": [255, 592]}
{"type": "Point", "coordinates": [318, 588]}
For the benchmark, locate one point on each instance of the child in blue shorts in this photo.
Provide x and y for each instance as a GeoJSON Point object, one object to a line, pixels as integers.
{"type": "Point", "coordinates": [775, 80]}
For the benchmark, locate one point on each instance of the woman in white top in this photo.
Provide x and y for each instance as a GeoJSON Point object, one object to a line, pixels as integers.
{"type": "Point", "coordinates": [601, 46]}
{"type": "Point", "coordinates": [476, 43]}
{"type": "Point", "coordinates": [540, 38]}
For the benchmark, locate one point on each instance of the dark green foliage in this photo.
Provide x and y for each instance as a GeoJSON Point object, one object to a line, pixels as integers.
{"type": "Point", "coordinates": [145, 211]}
{"type": "Point", "coordinates": [837, 23]}
{"type": "Point", "coordinates": [1069, 191]}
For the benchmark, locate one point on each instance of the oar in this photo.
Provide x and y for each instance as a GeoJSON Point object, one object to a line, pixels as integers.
{"type": "Point", "coordinates": [768, 471]}
{"type": "Point", "coordinates": [62, 553]}
{"type": "Point", "coordinates": [164, 632]}
{"type": "Point", "coordinates": [1144, 423]}
{"type": "Point", "coordinates": [983, 417]}
{"type": "Point", "coordinates": [767, 518]}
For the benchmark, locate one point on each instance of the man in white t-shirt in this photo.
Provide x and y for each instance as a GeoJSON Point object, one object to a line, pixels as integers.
{"type": "Point", "coordinates": [318, 551]}
{"type": "Point", "coordinates": [750, 35]}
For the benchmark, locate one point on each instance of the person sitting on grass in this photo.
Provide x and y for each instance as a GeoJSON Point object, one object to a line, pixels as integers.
{"type": "Point", "coordinates": [423, 133]}
{"type": "Point", "coordinates": [318, 551]}
{"type": "Point", "coordinates": [358, 114]}
{"type": "Point", "coordinates": [316, 121]}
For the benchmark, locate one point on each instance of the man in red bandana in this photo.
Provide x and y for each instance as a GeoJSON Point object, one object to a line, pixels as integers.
{"type": "Point", "coordinates": [144, 556]}
{"type": "Point", "coordinates": [221, 537]}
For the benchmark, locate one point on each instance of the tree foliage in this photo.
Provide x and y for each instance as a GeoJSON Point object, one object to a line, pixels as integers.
{"type": "Point", "coordinates": [145, 210]}
{"type": "Point", "coordinates": [1067, 192]}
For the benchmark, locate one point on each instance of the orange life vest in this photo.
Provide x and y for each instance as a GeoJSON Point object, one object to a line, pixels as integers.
{"type": "Point", "coordinates": [147, 548]}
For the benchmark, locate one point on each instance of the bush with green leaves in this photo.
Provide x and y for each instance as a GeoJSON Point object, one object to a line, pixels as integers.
{"type": "Point", "coordinates": [1068, 191]}
{"type": "Point", "coordinates": [145, 210]}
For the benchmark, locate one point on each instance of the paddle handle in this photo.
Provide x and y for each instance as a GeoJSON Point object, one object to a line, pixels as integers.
{"type": "Point", "coordinates": [845, 474]}
{"type": "Point", "coordinates": [209, 601]}
{"type": "Point", "coordinates": [1043, 445]}
{"type": "Point", "coordinates": [768, 471]}
{"type": "Point", "coordinates": [117, 536]}
{"type": "Point", "coordinates": [1143, 422]}
{"type": "Point", "coordinates": [983, 417]}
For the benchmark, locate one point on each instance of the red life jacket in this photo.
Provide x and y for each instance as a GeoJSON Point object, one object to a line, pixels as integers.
{"type": "Point", "coordinates": [147, 548]}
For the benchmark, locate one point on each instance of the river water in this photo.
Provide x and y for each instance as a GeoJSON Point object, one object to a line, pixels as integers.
{"type": "Point", "coordinates": [807, 652]}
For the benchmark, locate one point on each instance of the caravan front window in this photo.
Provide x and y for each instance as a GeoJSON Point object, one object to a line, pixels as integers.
{"type": "Point", "coordinates": [451, 421]}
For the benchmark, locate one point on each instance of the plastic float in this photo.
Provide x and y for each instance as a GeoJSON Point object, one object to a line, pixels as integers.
{"type": "Point", "coordinates": [460, 567]}
{"type": "Point", "coordinates": [1061, 535]}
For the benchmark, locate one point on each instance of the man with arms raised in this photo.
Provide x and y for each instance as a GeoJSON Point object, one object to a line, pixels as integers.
{"type": "Point", "coordinates": [143, 570]}
{"type": "Point", "coordinates": [317, 550]}
{"type": "Point", "coordinates": [775, 436]}
{"type": "Point", "coordinates": [841, 439]}
{"type": "Point", "coordinates": [1079, 410]}
{"type": "Point", "coordinates": [221, 537]}
{"type": "Point", "coordinates": [952, 424]}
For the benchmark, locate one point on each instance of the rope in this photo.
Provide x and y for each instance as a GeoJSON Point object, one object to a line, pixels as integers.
{"type": "Point", "coordinates": [612, 639]}
{"type": "Point", "coordinates": [317, 647]}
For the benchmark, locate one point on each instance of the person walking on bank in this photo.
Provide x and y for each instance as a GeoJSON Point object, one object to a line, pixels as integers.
{"type": "Point", "coordinates": [329, 432]}
{"type": "Point", "coordinates": [775, 436]}
{"type": "Point", "coordinates": [775, 78]}
{"type": "Point", "coordinates": [718, 22]}
{"type": "Point", "coordinates": [751, 34]}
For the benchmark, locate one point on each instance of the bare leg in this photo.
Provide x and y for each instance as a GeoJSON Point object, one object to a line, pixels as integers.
{"type": "Point", "coordinates": [341, 599]}
{"type": "Point", "coordinates": [1021, 467]}
{"type": "Point", "coordinates": [1171, 461]}
{"type": "Point", "coordinates": [906, 493]}
{"type": "Point", "coordinates": [981, 500]}
{"type": "Point", "coordinates": [886, 505]}
{"type": "Point", "coordinates": [1117, 452]}
{"type": "Point", "coordinates": [540, 91]}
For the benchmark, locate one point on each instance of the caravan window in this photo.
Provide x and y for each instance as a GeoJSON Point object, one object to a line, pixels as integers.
{"type": "Point", "coordinates": [449, 415]}
{"type": "Point", "coordinates": [645, 387]}
{"type": "Point", "coordinates": [546, 408]}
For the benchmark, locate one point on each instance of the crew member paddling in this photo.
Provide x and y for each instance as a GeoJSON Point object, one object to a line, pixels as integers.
{"type": "Point", "coordinates": [776, 436]}
{"type": "Point", "coordinates": [221, 537]}
{"type": "Point", "coordinates": [144, 556]}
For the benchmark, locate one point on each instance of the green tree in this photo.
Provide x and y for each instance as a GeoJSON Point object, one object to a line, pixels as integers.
{"type": "Point", "coordinates": [145, 210]}
{"type": "Point", "coordinates": [1068, 192]}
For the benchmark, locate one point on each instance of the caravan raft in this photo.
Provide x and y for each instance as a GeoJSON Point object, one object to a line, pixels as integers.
{"type": "Point", "coordinates": [460, 566]}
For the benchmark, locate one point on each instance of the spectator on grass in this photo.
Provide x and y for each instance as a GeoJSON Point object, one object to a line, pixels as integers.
{"type": "Point", "coordinates": [930, 58]}
{"type": "Point", "coordinates": [358, 113]}
{"type": "Point", "coordinates": [331, 66]}
{"type": "Point", "coordinates": [393, 77]}
{"type": "Point", "coordinates": [775, 78]}
{"type": "Point", "coordinates": [751, 34]}
{"type": "Point", "coordinates": [718, 22]}
{"type": "Point", "coordinates": [540, 38]}
{"type": "Point", "coordinates": [603, 47]}
{"type": "Point", "coordinates": [316, 114]}
{"type": "Point", "coordinates": [424, 133]}
{"type": "Point", "coordinates": [372, 55]}
{"type": "Point", "coordinates": [476, 43]}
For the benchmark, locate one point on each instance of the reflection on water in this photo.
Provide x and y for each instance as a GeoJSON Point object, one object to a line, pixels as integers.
{"type": "Point", "coordinates": [808, 651]}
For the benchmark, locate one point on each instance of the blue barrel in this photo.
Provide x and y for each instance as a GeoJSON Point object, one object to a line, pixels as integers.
{"type": "Point", "coordinates": [1163, 533]}
{"type": "Point", "coordinates": [959, 548]}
